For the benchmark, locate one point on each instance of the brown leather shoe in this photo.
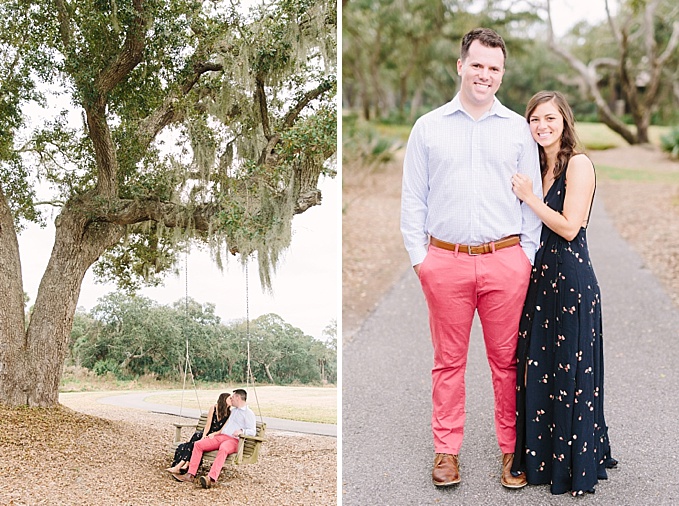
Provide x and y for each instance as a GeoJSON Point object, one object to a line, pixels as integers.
{"type": "Point", "coordinates": [508, 479]}
{"type": "Point", "coordinates": [183, 477]}
{"type": "Point", "coordinates": [446, 470]}
{"type": "Point", "coordinates": [206, 482]}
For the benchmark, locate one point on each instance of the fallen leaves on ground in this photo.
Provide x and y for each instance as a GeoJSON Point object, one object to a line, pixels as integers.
{"type": "Point", "coordinates": [62, 457]}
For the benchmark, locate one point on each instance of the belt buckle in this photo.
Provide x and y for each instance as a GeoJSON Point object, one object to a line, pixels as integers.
{"type": "Point", "coordinates": [469, 251]}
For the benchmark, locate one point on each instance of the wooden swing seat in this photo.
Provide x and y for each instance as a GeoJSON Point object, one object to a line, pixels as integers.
{"type": "Point", "coordinates": [248, 446]}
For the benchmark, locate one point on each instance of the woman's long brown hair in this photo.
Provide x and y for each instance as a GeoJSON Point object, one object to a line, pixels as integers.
{"type": "Point", "coordinates": [223, 409]}
{"type": "Point", "coordinates": [569, 139]}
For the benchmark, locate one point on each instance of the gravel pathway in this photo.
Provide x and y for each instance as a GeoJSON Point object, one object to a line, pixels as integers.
{"type": "Point", "coordinates": [387, 441]}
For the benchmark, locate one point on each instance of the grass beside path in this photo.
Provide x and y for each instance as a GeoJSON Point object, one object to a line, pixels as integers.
{"type": "Point", "coordinates": [306, 404]}
{"type": "Point", "coordinates": [650, 175]}
{"type": "Point", "coordinates": [302, 403]}
{"type": "Point", "coordinates": [594, 136]}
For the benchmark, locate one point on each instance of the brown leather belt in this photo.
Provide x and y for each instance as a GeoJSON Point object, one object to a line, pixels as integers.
{"type": "Point", "coordinates": [488, 247]}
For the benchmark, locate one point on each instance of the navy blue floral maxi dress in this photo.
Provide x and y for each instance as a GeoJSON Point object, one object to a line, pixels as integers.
{"type": "Point", "coordinates": [185, 450]}
{"type": "Point", "coordinates": [562, 437]}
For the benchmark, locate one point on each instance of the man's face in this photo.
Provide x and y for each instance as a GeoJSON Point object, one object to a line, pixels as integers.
{"type": "Point", "coordinates": [481, 73]}
{"type": "Point", "coordinates": [236, 400]}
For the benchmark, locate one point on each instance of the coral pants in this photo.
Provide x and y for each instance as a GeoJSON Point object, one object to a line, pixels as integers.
{"type": "Point", "coordinates": [455, 285]}
{"type": "Point", "coordinates": [225, 444]}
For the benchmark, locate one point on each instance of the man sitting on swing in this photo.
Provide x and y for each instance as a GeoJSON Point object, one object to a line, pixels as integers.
{"type": "Point", "coordinates": [241, 421]}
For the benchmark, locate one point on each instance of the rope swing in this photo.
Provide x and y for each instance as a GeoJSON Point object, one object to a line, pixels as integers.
{"type": "Point", "coordinates": [249, 374]}
{"type": "Point", "coordinates": [187, 361]}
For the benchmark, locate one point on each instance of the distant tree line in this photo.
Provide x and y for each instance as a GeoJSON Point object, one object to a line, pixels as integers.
{"type": "Point", "coordinates": [131, 336]}
{"type": "Point", "coordinates": [399, 63]}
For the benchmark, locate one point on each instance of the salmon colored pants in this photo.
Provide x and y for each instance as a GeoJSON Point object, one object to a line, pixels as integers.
{"type": "Point", "coordinates": [456, 285]}
{"type": "Point", "coordinates": [226, 446]}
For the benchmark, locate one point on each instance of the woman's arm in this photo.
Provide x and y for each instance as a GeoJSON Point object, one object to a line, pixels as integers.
{"type": "Point", "coordinates": [580, 189]}
{"type": "Point", "coordinates": [208, 422]}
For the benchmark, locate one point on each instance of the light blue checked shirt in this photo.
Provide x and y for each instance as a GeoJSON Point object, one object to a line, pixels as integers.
{"type": "Point", "coordinates": [457, 179]}
{"type": "Point", "coordinates": [241, 418]}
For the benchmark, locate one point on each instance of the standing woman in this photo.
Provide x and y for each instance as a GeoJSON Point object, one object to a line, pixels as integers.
{"type": "Point", "coordinates": [216, 418]}
{"type": "Point", "coordinates": [562, 437]}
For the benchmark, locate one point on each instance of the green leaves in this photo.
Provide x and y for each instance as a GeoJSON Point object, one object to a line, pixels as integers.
{"type": "Point", "coordinates": [130, 336]}
{"type": "Point", "coordinates": [163, 105]}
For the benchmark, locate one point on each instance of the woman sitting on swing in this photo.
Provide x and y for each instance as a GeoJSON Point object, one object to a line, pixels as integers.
{"type": "Point", "coordinates": [216, 418]}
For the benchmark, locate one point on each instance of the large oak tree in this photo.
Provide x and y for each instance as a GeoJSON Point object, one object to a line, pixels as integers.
{"type": "Point", "coordinates": [645, 38]}
{"type": "Point", "coordinates": [200, 121]}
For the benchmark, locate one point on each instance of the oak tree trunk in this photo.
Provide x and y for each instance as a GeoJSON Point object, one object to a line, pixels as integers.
{"type": "Point", "coordinates": [31, 361]}
{"type": "Point", "coordinates": [13, 373]}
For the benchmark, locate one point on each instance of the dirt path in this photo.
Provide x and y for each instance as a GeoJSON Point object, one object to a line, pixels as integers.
{"type": "Point", "coordinates": [373, 258]}
{"type": "Point", "coordinates": [645, 213]}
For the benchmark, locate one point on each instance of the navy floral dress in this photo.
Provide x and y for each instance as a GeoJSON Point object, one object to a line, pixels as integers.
{"type": "Point", "coordinates": [562, 437]}
{"type": "Point", "coordinates": [185, 450]}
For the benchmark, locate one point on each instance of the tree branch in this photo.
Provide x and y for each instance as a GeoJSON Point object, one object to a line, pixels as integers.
{"type": "Point", "coordinates": [260, 97]}
{"type": "Point", "coordinates": [604, 62]}
{"type": "Point", "coordinates": [671, 45]}
{"type": "Point", "coordinates": [198, 70]}
{"type": "Point", "coordinates": [294, 113]}
{"type": "Point", "coordinates": [104, 150]}
{"type": "Point", "coordinates": [63, 17]}
{"type": "Point", "coordinates": [129, 57]}
{"type": "Point", "coordinates": [167, 113]}
{"type": "Point", "coordinates": [649, 29]}
{"type": "Point", "coordinates": [131, 212]}
{"type": "Point", "coordinates": [611, 23]}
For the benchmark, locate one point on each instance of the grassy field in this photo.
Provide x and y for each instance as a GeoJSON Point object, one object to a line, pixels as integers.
{"type": "Point", "coordinates": [303, 403]}
{"type": "Point", "coordinates": [307, 404]}
{"type": "Point", "coordinates": [599, 136]}
{"type": "Point", "coordinates": [637, 175]}
{"type": "Point", "coordinates": [593, 135]}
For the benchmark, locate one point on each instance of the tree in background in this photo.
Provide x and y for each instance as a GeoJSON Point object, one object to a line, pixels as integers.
{"type": "Point", "coordinates": [198, 121]}
{"type": "Point", "coordinates": [399, 57]}
{"type": "Point", "coordinates": [326, 353]}
{"type": "Point", "coordinates": [644, 36]}
{"type": "Point", "coordinates": [131, 336]}
{"type": "Point", "coordinates": [280, 352]}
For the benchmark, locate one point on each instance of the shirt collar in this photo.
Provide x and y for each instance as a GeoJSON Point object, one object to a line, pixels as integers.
{"type": "Point", "coordinates": [496, 109]}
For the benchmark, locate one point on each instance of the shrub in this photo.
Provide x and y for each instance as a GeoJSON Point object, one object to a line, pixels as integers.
{"type": "Point", "coordinates": [363, 144]}
{"type": "Point", "coordinates": [103, 367]}
{"type": "Point", "coordinates": [670, 142]}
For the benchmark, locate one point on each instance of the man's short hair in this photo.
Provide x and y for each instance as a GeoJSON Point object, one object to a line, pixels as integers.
{"type": "Point", "coordinates": [241, 393]}
{"type": "Point", "coordinates": [486, 36]}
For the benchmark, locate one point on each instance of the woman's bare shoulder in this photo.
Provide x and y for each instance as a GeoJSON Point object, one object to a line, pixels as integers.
{"type": "Point", "coordinates": [580, 165]}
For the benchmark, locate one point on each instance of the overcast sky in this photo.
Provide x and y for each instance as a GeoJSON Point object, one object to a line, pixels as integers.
{"type": "Point", "coordinates": [566, 13]}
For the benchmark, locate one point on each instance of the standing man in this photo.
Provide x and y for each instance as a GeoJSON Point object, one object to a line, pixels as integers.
{"type": "Point", "coordinates": [241, 421]}
{"type": "Point", "coordinates": [471, 242]}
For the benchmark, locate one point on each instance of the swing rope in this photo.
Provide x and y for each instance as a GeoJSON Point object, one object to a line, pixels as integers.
{"type": "Point", "coordinates": [249, 374]}
{"type": "Point", "coordinates": [187, 361]}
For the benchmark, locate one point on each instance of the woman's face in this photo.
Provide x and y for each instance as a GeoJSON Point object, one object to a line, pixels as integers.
{"type": "Point", "coordinates": [546, 124]}
{"type": "Point", "coordinates": [228, 401]}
